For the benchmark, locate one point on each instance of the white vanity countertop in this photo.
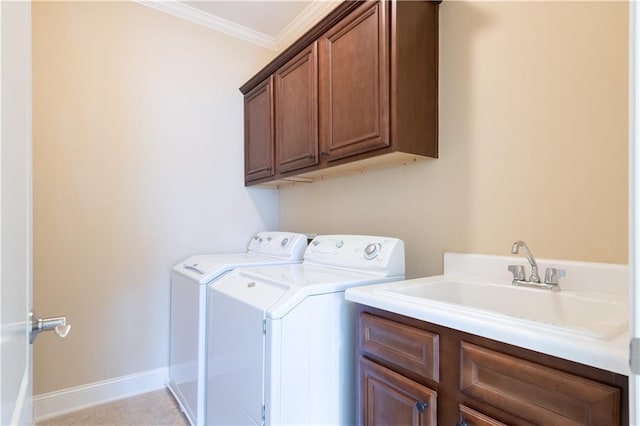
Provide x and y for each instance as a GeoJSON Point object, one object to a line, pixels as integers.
{"type": "Point", "coordinates": [594, 280]}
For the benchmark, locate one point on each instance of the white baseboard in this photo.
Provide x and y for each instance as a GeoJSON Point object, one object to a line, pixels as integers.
{"type": "Point", "coordinates": [59, 402]}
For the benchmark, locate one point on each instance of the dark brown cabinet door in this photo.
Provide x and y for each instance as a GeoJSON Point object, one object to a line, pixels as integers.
{"type": "Point", "coordinates": [533, 391]}
{"type": "Point", "coordinates": [354, 83]}
{"type": "Point", "coordinates": [390, 399]}
{"type": "Point", "coordinates": [296, 92]}
{"type": "Point", "coordinates": [258, 132]}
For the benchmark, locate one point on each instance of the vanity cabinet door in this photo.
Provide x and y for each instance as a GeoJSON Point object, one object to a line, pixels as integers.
{"type": "Point", "coordinates": [535, 392]}
{"type": "Point", "coordinates": [296, 93]}
{"type": "Point", "coordinates": [258, 132]}
{"type": "Point", "coordinates": [388, 398]}
{"type": "Point", "coordinates": [354, 83]}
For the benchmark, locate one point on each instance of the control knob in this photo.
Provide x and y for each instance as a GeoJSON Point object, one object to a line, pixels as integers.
{"type": "Point", "coordinates": [371, 251]}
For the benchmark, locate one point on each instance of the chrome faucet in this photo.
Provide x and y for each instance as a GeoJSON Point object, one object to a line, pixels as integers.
{"type": "Point", "coordinates": [552, 275]}
{"type": "Point", "coordinates": [534, 278]}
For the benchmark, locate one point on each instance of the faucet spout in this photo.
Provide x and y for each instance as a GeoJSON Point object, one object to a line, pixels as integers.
{"type": "Point", "coordinates": [534, 278]}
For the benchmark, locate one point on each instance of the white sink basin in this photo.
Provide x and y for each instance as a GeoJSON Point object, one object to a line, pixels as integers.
{"type": "Point", "coordinates": [595, 315]}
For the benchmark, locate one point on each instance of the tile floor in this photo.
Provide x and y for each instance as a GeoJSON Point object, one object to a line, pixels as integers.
{"type": "Point", "coordinates": [154, 408]}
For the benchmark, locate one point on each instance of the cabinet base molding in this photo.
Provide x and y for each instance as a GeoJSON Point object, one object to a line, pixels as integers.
{"type": "Point", "coordinates": [384, 161]}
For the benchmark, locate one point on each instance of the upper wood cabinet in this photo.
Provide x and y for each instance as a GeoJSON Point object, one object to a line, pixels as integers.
{"type": "Point", "coordinates": [297, 111]}
{"type": "Point", "coordinates": [354, 83]}
{"type": "Point", "coordinates": [357, 90]}
{"type": "Point", "coordinates": [258, 132]}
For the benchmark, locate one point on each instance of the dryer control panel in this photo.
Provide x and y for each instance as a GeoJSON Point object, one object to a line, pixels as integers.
{"type": "Point", "coordinates": [380, 255]}
{"type": "Point", "coordinates": [283, 245]}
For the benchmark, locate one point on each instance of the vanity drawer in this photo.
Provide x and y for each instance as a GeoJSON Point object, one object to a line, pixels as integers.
{"type": "Point", "coordinates": [533, 391]}
{"type": "Point", "coordinates": [471, 417]}
{"type": "Point", "coordinates": [400, 345]}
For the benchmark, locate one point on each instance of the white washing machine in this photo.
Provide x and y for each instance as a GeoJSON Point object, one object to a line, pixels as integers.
{"type": "Point", "coordinates": [281, 347]}
{"type": "Point", "coordinates": [189, 282]}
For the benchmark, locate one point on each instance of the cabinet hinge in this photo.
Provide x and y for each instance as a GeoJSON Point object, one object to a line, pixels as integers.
{"type": "Point", "coordinates": [264, 326]}
{"type": "Point", "coordinates": [634, 355]}
{"type": "Point", "coordinates": [264, 413]}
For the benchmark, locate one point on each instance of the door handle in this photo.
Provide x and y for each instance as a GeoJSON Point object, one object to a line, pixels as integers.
{"type": "Point", "coordinates": [57, 324]}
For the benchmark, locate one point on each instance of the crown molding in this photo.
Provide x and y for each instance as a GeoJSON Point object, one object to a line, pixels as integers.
{"type": "Point", "coordinates": [313, 13]}
{"type": "Point", "coordinates": [189, 13]}
{"type": "Point", "coordinates": [316, 10]}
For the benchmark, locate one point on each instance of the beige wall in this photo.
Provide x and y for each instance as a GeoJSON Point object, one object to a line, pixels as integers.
{"type": "Point", "coordinates": [138, 158]}
{"type": "Point", "coordinates": [138, 161]}
{"type": "Point", "coordinates": [533, 143]}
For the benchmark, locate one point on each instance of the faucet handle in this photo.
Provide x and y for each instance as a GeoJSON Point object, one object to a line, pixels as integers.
{"type": "Point", "coordinates": [552, 275]}
{"type": "Point", "coordinates": [517, 271]}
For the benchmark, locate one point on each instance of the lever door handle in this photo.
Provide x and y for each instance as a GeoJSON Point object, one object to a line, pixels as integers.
{"type": "Point", "coordinates": [57, 324]}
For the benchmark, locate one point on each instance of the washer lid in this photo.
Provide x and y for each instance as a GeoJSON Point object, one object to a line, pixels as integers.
{"type": "Point", "coordinates": [205, 268]}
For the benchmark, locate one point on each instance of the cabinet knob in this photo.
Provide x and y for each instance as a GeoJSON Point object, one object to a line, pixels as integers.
{"type": "Point", "coordinates": [268, 169]}
{"type": "Point", "coordinates": [421, 406]}
{"type": "Point", "coordinates": [324, 153]}
{"type": "Point", "coordinates": [311, 156]}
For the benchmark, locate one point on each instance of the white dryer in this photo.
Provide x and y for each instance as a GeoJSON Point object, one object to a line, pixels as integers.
{"type": "Point", "coordinates": [189, 282]}
{"type": "Point", "coordinates": [281, 347]}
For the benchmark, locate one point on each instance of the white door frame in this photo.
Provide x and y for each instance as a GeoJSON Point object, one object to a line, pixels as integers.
{"type": "Point", "coordinates": [15, 213]}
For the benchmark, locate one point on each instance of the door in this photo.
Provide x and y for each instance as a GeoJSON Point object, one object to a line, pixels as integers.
{"type": "Point", "coordinates": [15, 213]}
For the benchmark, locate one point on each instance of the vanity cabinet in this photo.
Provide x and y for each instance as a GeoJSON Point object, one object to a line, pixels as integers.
{"type": "Point", "coordinates": [357, 91]}
{"type": "Point", "coordinates": [470, 380]}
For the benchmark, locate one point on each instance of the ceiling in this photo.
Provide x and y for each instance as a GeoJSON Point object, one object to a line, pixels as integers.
{"type": "Point", "coordinates": [266, 17]}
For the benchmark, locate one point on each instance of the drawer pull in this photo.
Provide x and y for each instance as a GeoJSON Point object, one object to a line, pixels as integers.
{"type": "Point", "coordinates": [421, 406]}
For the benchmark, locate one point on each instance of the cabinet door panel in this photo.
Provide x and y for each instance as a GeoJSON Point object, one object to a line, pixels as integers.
{"type": "Point", "coordinates": [535, 392]}
{"type": "Point", "coordinates": [258, 132]}
{"type": "Point", "coordinates": [297, 111]}
{"type": "Point", "coordinates": [354, 83]}
{"type": "Point", "coordinates": [389, 398]}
